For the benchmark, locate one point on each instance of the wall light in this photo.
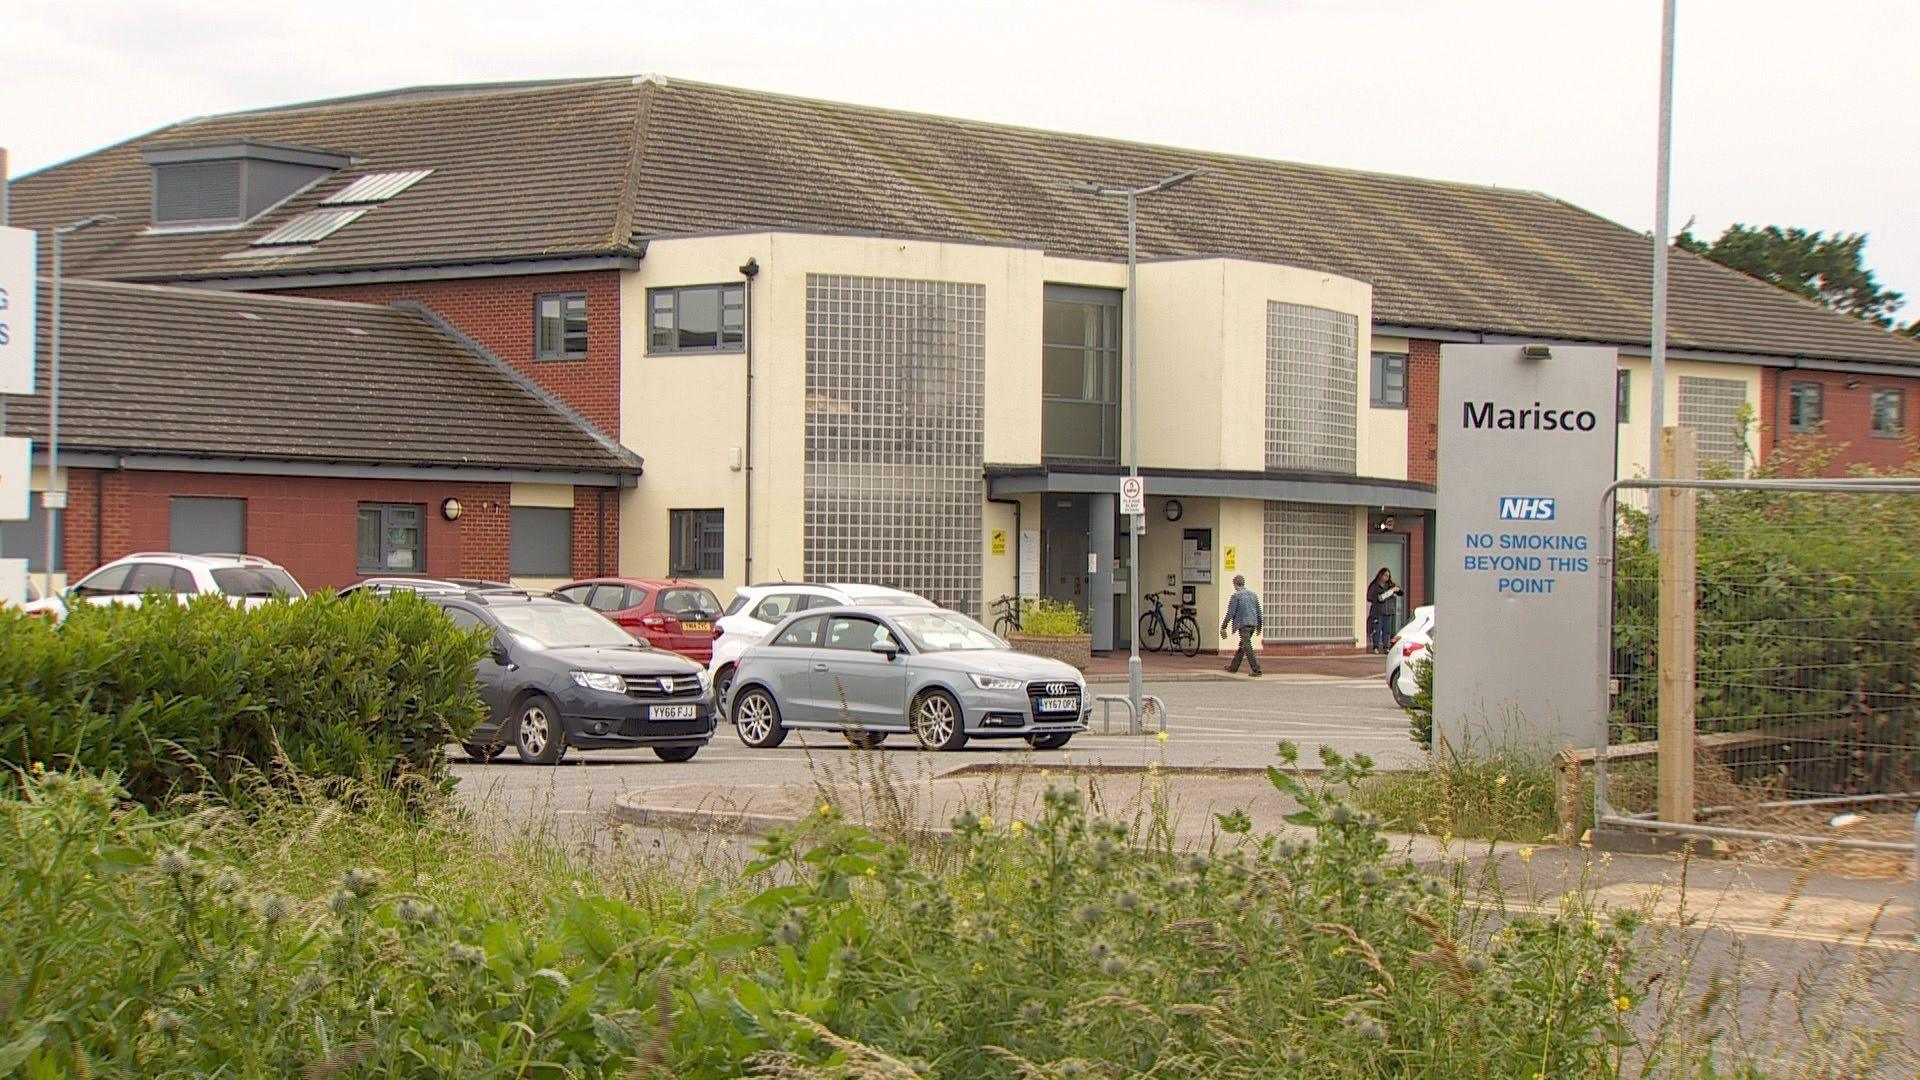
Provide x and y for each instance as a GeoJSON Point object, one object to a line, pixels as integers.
{"type": "Point", "coordinates": [1535, 352]}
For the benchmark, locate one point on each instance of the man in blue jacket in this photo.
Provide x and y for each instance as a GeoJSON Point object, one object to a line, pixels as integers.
{"type": "Point", "coordinates": [1243, 614]}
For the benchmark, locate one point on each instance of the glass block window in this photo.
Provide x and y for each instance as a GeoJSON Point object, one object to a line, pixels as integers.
{"type": "Point", "coordinates": [1712, 407]}
{"type": "Point", "coordinates": [1308, 592]}
{"type": "Point", "coordinates": [896, 414]}
{"type": "Point", "coordinates": [1312, 386]}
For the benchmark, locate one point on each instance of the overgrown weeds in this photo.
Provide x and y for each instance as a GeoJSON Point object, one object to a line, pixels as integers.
{"type": "Point", "coordinates": [1496, 794]}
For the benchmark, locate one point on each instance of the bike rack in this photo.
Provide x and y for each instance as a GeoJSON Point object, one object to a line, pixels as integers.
{"type": "Point", "coordinates": [1148, 703]}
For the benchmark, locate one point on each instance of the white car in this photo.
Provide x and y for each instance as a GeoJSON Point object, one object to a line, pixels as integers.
{"type": "Point", "coordinates": [757, 609]}
{"type": "Point", "coordinates": [1412, 644]}
{"type": "Point", "coordinates": [246, 580]}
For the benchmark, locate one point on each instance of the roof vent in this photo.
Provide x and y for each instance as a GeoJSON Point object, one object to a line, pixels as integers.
{"type": "Point", "coordinates": [653, 77]}
{"type": "Point", "coordinates": [375, 188]}
{"type": "Point", "coordinates": [221, 185]}
{"type": "Point", "coordinates": [311, 226]}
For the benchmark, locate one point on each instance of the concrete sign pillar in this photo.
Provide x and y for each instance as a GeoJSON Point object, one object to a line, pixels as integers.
{"type": "Point", "coordinates": [1527, 448]}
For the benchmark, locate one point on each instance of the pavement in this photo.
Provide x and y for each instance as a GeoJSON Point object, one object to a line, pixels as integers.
{"type": "Point", "coordinates": [1164, 667]}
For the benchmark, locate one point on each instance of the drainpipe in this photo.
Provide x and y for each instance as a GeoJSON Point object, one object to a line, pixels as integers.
{"type": "Point", "coordinates": [749, 270]}
{"type": "Point", "coordinates": [600, 526]}
{"type": "Point", "coordinates": [1015, 503]}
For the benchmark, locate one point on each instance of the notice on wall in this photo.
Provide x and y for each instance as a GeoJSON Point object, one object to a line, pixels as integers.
{"type": "Point", "coordinates": [17, 281]}
{"type": "Point", "coordinates": [999, 542]}
{"type": "Point", "coordinates": [16, 475]}
{"type": "Point", "coordinates": [1029, 584]}
{"type": "Point", "coordinates": [1230, 558]}
{"type": "Point", "coordinates": [1526, 452]}
{"type": "Point", "coordinates": [1196, 557]}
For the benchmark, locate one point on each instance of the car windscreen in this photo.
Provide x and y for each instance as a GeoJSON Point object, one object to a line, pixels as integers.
{"type": "Point", "coordinates": [946, 631]}
{"type": "Point", "coordinates": [558, 625]}
{"type": "Point", "coordinates": [688, 603]}
{"type": "Point", "coordinates": [256, 581]}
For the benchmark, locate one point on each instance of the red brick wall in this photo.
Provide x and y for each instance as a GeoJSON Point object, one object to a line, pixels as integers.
{"type": "Point", "coordinates": [306, 524]}
{"type": "Point", "coordinates": [1847, 428]}
{"type": "Point", "coordinates": [497, 312]}
{"type": "Point", "coordinates": [595, 554]}
{"type": "Point", "coordinates": [1423, 411]}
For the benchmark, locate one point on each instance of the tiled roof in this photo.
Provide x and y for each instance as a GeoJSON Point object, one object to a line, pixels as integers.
{"type": "Point", "coordinates": [552, 169]}
{"type": "Point", "coordinates": [199, 373]}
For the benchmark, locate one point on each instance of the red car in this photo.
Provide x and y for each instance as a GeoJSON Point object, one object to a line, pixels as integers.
{"type": "Point", "coordinates": [673, 615]}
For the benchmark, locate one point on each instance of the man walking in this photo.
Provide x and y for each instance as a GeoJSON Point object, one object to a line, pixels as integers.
{"type": "Point", "coordinates": [1243, 614]}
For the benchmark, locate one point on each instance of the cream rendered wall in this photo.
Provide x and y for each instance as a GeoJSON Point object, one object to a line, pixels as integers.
{"type": "Point", "coordinates": [1633, 449]}
{"type": "Point", "coordinates": [1390, 344]}
{"type": "Point", "coordinates": [1383, 432]}
{"type": "Point", "coordinates": [685, 413]}
{"type": "Point", "coordinates": [1243, 526]}
{"type": "Point", "coordinates": [1360, 574]}
{"type": "Point", "coordinates": [1183, 358]}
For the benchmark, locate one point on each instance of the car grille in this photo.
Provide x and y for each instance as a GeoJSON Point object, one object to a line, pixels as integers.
{"type": "Point", "coordinates": [663, 686]}
{"type": "Point", "coordinates": [1054, 688]}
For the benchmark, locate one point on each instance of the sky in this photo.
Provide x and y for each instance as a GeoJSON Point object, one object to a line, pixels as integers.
{"type": "Point", "coordinates": [1786, 112]}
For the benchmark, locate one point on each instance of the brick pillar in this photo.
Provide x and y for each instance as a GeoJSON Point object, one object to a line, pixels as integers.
{"type": "Point", "coordinates": [596, 553]}
{"type": "Point", "coordinates": [1423, 410]}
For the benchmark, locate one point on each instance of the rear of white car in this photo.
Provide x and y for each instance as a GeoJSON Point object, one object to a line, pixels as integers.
{"type": "Point", "coordinates": [1411, 645]}
{"type": "Point", "coordinates": [757, 609]}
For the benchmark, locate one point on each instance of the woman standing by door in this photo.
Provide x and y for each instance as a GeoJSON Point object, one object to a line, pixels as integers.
{"type": "Point", "coordinates": [1381, 596]}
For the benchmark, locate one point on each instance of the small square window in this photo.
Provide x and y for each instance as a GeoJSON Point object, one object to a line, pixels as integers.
{"type": "Point", "coordinates": [1622, 396]}
{"type": "Point", "coordinates": [697, 318]}
{"type": "Point", "coordinates": [1804, 407]}
{"type": "Point", "coordinates": [698, 546]}
{"type": "Point", "coordinates": [392, 539]}
{"type": "Point", "coordinates": [1889, 413]}
{"type": "Point", "coordinates": [560, 326]}
{"type": "Point", "coordinates": [1389, 381]}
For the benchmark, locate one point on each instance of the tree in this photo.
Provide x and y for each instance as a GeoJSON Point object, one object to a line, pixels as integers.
{"type": "Point", "coordinates": [1825, 269]}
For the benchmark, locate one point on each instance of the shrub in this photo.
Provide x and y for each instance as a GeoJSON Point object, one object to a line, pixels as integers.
{"type": "Point", "coordinates": [174, 697]}
{"type": "Point", "coordinates": [1051, 618]}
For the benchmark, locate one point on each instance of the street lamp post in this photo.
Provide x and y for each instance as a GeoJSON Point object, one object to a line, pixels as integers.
{"type": "Point", "coordinates": [47, 500]}
{"type": "Point", "coordinates": [1132, 335]}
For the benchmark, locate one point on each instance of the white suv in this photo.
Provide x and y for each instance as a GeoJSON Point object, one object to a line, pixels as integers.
{"type": "Point", "coordinates": [247, 580]}
{"type": "Point", "coordinates": [757, 608]}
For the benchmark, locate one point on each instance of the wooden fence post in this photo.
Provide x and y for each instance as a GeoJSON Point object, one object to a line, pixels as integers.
{"type": "Point", "coordinates": [1678, 540]}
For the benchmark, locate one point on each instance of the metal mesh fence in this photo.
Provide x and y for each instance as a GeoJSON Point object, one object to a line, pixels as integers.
{"type": "Point", "coordinates": [1805, 702]}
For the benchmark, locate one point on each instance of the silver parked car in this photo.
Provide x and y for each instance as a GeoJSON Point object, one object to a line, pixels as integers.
{"type": "Point", "coordinates": [872, 670]}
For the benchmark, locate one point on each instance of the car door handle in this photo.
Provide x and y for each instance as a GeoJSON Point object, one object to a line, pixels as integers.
{"type": "Point", "coordinates": [819, 667]}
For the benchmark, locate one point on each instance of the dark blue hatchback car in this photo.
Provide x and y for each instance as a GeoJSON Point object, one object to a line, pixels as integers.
{"type": "Point", "coordinates": [559, 675]}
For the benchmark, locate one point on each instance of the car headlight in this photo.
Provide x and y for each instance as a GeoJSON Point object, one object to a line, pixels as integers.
{"type": "Point", "coordinates": [706, 679]}
{"type": "Point", "coordinates": [600, 680]}
{"type": "Point", "coordinates": [995, 682]}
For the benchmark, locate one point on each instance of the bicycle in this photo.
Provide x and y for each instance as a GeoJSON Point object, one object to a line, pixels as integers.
{"type": "Point", "coordinates": [1157, 635]}
{"type": "Point", "coordinates": [1007, 616]}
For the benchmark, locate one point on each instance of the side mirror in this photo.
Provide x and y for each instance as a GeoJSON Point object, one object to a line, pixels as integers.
{"type": "Point", "coordinates": [499, 651]}
{"type": "Point", "coordinates": [887, 649]}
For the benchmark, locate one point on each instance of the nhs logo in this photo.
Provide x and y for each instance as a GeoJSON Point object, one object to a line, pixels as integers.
{"type": "Point", "coordinates": [1524, 509]}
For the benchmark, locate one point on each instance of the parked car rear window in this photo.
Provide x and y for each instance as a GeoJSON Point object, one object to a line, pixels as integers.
{"type": "Point", "coordinates": [689, 603]}
{"type": "Point", "coordinates": [257, 581]}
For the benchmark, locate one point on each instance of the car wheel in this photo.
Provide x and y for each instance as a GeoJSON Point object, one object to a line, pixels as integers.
{"type": "Point", "coordinates": [483, 752]}
{"type": "Point", "coordinates": [756, 719]}
{"type": "Point", "coordinates": [538, 736]}
{"type": "Point", "coordinates": [865, 740]}
{"type": "Point", "coordinates": [1051, 741]}
{"type": "Point", "coordinates": [1399, 697]}
{"type": "Point", "coordinates": [722, 680]}
{"type": "Point", "coordinates": [675, 753]}
{"type": "Point", "coordinates": [936, 721]}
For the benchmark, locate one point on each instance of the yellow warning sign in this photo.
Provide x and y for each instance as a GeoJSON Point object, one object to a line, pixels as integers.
{"type": "Point", "coordinates": [1231, 557]}
{"type": "Point", "coordinates": [999, 541]}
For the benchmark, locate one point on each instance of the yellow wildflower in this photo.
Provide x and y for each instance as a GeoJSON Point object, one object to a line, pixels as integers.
{"type": "Point", "coordinates": [1526, 854]}
{"type": "Point", "coordinates": [1162, 736]}
{"type": "Point", "coordinates": [825, 809]}
{"type": "Point", "coordinates": [1623, 1003]}
{"type": "Point", "coordinates": [1017, 826]}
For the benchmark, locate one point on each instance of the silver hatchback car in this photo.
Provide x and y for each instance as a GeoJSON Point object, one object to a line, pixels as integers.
{"type": "Point", "coordinates": [873, 670]}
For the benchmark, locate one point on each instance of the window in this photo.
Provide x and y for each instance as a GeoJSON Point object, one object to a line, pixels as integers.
{"type": "Point", "coordinates": [1313, 384]}
{"type": "Point", "coordinates": [1308, 573]}
{"type": "Point", "coordinates": [464, 619]}
{"type": "Point", "coordinates": [1713, 407]}
{"type": "Point", "coordinates": [803, 634]}
{"type": "Point", "coordinates": [697, 318]}
{"type": "Point", "coordinates": [261, 581]}
{"type": "Point", "coordinates": [778, 606]}
{"type": "Point", "coordinates": [198, 526]}
{"type": "Point", "coordinates": [614, 598]}
{"type": "Point", "coordinates": [28, 539]}
{"type": "Point", "coordinates": [1080, 375]}
{"type": "Point", "coordinates": [856, 635]}
{"type": "Point", "coordinates": [1889, 413]}
{"type": "Point", "coordinates": [1622, 396]}
{"type": "Point", "coordinates": [1389, 381]}
{"type": "Point", "coordinates": [541, 543]}
{"type": "Point", "coordinates": [577, 594]}
{"type": "Point", "coordinates": [1804, 411]}
{"type": "Point", "coordinates": [697, 545]}
{"type": "Point", "coordinates": [392, 537]}
{"type": "Point", "coordinates": [158, 577]}
{"type": "Point", "coordinates": [560, 326]}
{"type": "Point", "coordinates": [109, 582]}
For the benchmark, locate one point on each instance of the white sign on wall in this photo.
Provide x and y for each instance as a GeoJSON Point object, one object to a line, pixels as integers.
{"type": "Point", "coordinates": [16, 473]}
{"type": "Point", "coordinates": [1133, 496]}
{"type": "Point", "coordinates": [18, 248]}
{"type": "Point", "coordinates": [1526, 451]}
{"type": "Point", "coordinates": [13, 581]}
{"type": "Point", "coordinates": [1029, 562]}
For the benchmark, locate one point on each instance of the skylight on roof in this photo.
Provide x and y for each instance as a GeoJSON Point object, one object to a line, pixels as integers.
{"type": "Point", "coordinates": [310, 226]}
{"type": "Point", "coordinates": [376, 188]}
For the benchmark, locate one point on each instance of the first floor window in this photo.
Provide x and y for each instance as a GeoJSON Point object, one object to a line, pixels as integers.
{"type": "Point", "coordinates": [560, 326]}
{"type": "Point", "coordinates": [197, 526]}
{"type": "Point", "coordinates": [1890, 413]}
{"type": "Point", "coordinates": [392, 538]}
{"type": "Point", "coordinates": [1389, 381]}
{"type": "Point", "coordinates": [542, 542]}
{"type": "Point", "coordinates": [1622, 395]}
{"type": "Point", "coordinates": [1803, 407]}
{"type": "Point", "coordinates": [698, 544]}
{"type": "Point", "coordinates": [697, 318]}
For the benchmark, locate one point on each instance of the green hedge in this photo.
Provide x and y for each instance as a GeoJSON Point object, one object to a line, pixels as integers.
{"type": "Point", "coordinates": [174, 698]}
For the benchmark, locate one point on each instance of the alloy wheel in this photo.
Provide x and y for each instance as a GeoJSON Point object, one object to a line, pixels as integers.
{"type": "Point", "coordinates": [754, 718]}
{"type": "Point", "coordinates": [936, 720]}
{"type": "Point", "coordinates": [534, 731]}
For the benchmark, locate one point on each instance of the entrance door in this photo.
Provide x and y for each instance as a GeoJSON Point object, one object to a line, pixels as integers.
{"type": "Point", "coordinates": [1064, 520]}
{"type": "Point", "coordinates": [1389, 550]}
